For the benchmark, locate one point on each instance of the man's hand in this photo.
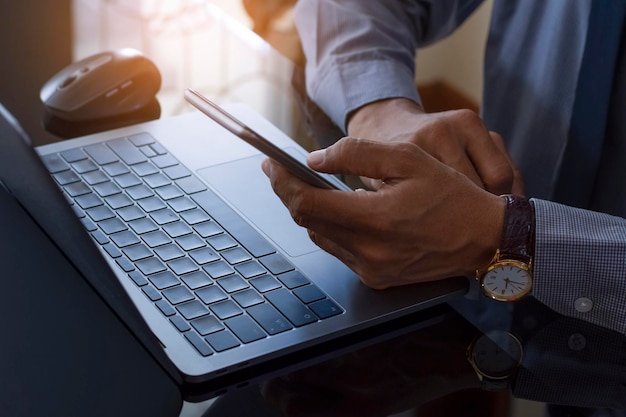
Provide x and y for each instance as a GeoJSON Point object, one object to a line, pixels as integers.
{"type": "Point", "coordinates": [426, 221]}
{"type": "Point", "coordinates": [458, 138]}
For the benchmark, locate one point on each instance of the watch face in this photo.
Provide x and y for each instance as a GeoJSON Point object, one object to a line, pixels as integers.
{"type": "Point", "coordinates": [497, 354]}
{"type": "Point", "coordinates": [507, 280]}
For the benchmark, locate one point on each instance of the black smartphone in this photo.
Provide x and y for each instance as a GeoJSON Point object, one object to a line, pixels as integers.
{"type": "Point", "coordinates": [229, 122]}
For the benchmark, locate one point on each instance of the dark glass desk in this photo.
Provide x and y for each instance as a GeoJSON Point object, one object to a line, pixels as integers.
{"type": "Point", "coordinates": [419, 370]}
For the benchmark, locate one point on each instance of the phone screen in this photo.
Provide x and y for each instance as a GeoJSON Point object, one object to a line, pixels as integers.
{"type": "Point", "coordinates": [295, 166]}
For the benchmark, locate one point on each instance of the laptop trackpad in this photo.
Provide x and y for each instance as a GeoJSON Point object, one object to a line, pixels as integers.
{"type": "Point", "coordinates": [244, 185]}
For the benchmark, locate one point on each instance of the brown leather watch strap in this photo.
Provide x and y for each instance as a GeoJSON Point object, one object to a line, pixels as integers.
{"type": "Point", "coordinates": [518, 236]}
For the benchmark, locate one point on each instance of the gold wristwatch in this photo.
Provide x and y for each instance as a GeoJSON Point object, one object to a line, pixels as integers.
{"type": "Point", "coordinates": [508, 277]}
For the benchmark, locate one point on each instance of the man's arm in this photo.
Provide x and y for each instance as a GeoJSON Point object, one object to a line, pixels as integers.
{"type": "Point", "coordinates": [360, 70]}
{"type": "Point", "coordinates": [360, 51]}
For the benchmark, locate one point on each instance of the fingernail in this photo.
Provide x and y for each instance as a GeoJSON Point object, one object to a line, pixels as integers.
{"type": "Point", "coordinates": [266, 166]}
{"type": "Point", "coordinates": [316, 157]}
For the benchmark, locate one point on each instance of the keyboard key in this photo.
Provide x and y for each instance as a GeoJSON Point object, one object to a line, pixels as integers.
{"type": "Point", "coordinates": [192, 309]}
{"type": "Point", "coordinates": [125, 238]}
{"type": "Point", "coordinates": [207, 324]}
{"type": "Point", "coordinates": [100, 213]}
{"type": "Point", "coordinates": [233, 283]}
{"type": "Point", "coordinates": [112, 250]}
{"type": "Point", "coordinates": [156, 180]}
{"type": "Point", "coordinates": [164, 279]}
{"type": "Point", "coordinates": [269, 318]}
{"type": "Point", "coordinates": [291, 307]}
{"type": "Point", "coordinates": [144, 168]}
{"type": "Point", "coordinates": [225, 309]}
{"type": "Point", "coordinates": [151, 204]}
{"type": "Point", "coordinates": [248, 298]}
{"type": "Point", "coordinates": [195, 216]}
{"type": "Point", "coordinates": [190, 242]}
{"type": "Point", "coordinates": [250, 269]}
{"type": "Point", "coordinates": [116, 168]}
{"type": "Point", "coordinates": [293, 279]}
{"type": "Point", "coordinates": [73, 155]}
{"type": "Point", "coordinates": [211, 294]}
{"type": "Point", "coordinates": [245, 329]}
{"type": "Point", "coordinates": [203, 256]}
{"type": "Point", "coordinates": [139, 191]}
{"type": "Point", "coordinates": [169, 192]}
{"type": "Point", "coordinates": [165, 308]}
{"type": "Point", "coordinates": [141, 139]}
{"type": "Point", "coordinates": [164, 216]}
{"type": "Point", "coordinates": [141, 226]}
{"type": "Point", "coordinates": [54, 163]}
{"type": "Point", "coordinates": [137, 252]}
{"type": "Point", "coordinates": [207, 229]}
{"type": "Point", "coordinates": [118, 201]}
{"type": "Point", "coordinates": [180, 323]}
{"type": "Point", "coordinates": [222, 341]}
{"type": "Point", "coordinates": [191, 185]}
{"type": "Point", "coordinates": [177, 229]}
{"type": "Point", "coordinates": [325, 308]}
{"type": "Point", "coordinates": [176, 172]}
{"type": "Point", "coordinates": [164, 161]}
{"type": "Point", "coordinates": [156, 238]}
{"type": "Point", "coordinates": [200, 344]}
{"type": "Point", "coordinates": [138, 278]}
{"type": "Point", "coordinates": [126, 151]}
{"type": "Point", "coordinates": [88, 201]}
{"type": "Point", "coordinates": [107, 189]}
{"type": "Point", "coordinates": [77, 188]}
{"type": "Point", "coordinates": [150, 266]}
{"type": "Point", "coordinates": [148, 151]}
{"type": "Point", "coordinates": [182, 266]}
{"type": "Point", "coordinates": [169, 252]}
{"type": "Point", "coordinates": [95, 177]}
{"type": "Point", "coordinates": [84, 166]}
{"type": "Point", "coordinates": [127, 180]}
{"type": "Point", "coordinates": [100, 237]}
{"type": "Point", "coordinates": [112, 226]}
{"type": "Point", "coordinates": [89, 225]}
{"type": "Point", "coordinates": [276, 263]}
{"type": "Point", "coordinates": [265, 283]}
{"type": "Point", "coordinates": [66, 177]}
{"type": "Point", "coordinates": [152, 294]}
{"type": "Point", "coordinates": [100, 153]}
{"type": "Point", "coordinates": [197, 279]}
{"type": "Point", "coordinates": [309, 293]}
{"type": "Point", "coordinates": [177, 295]}
{"type": "Point", "coordinates": [181, 204]}
{"type": "Point", "coordinates": [218, 269]}
{"type": "Point", "coordinates": [221, 242]}
{"type": "Point", "coordinates": [125, 264]}
{"type": "Point", "coordinates": [236, 255]}
{"type": "Point", "coordinates": [130, 213]}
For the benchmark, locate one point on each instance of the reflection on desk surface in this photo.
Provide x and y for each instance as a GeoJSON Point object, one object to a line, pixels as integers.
{"type": "Point", "coordinates": [569, 367]}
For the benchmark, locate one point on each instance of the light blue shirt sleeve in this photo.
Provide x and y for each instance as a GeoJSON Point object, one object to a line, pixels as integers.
{"type": "Point", "coordinates": [360, 51]}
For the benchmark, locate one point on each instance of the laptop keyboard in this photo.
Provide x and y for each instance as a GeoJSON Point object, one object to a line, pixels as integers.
{"type": "Point", "coordinates": [217, 280]}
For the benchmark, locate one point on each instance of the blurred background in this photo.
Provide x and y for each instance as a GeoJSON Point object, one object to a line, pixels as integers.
{"type": "Point", "coordinates": [187, 41]}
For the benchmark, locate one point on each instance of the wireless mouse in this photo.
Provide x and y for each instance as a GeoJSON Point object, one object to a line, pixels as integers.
{"type": "Point", "coordinates": [104, 85]}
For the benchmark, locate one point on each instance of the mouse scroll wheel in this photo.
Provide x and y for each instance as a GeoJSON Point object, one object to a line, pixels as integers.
{"type": "Point", "coordinates": [69, 80]}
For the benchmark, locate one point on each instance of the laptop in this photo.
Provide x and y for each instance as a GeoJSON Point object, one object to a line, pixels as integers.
{"type": "Point", "coordinates": [176, 228]}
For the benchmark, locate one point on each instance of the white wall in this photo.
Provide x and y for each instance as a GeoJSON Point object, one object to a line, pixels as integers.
{"type": "Point", "coordinates": [458, 59]}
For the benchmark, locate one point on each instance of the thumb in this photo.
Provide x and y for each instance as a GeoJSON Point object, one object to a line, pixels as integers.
{"type": "Point", "coordinates": [367, 158]}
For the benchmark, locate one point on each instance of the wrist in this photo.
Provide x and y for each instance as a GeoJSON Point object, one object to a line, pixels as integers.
{"type": "Point", "coordinates": [375, 120]}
